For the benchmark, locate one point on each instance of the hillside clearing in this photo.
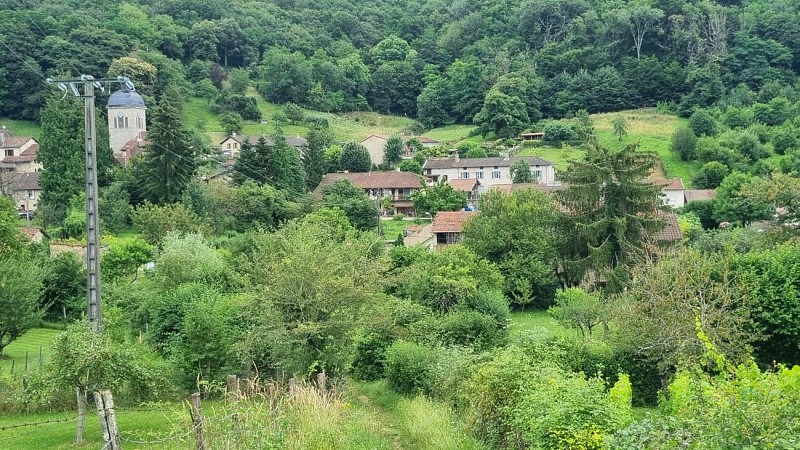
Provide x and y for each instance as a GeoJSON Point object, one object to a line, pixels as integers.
{"type": "Point", "coordinates": [29, 342]}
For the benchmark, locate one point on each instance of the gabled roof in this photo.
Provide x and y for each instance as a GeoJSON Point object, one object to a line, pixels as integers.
{"type": "Point", "coordinates": [26, 156]}
{"type": "Point", "coordinates": [451, 221]}
{"type": "Point", "coordinates": [374, 180]}
{"type": "Point", "coordinates": [133, 148]}
{"type": "Point", "coordinates": [465, 184]}
{"type": "Point", "coordinates": [536, 186]}
{"type": "Point", "coordinates": [669, 184]}
{"type": "Point", "coordinates": [23, 181]}
{"type": "Point", "coordinates": [293, 141]}
{"type": "Point", "coordinates": [699, 194]}
{"type": "Point", "coordinates": [671, 231]}
{"type": "Point", "coordinates": [9, 141]}
{"type": "Point", "coordinates": [449, 163]}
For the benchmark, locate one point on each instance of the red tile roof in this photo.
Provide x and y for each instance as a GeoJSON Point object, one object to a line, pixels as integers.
{"type": "Point", "coordinates": [375, 180]}
{"type": "Point", "coordinates": [671, 231]}
{"type": "Point", "coordinates": [464, 185]}
{"type": "Point", "coordinates": [451, 221]}
{"type": "Point", "coordinates": [699, 194]}
{"type": "Point", "coordinates": [669, 184]}
{"type": "Point", "coordinates": [9, 141]}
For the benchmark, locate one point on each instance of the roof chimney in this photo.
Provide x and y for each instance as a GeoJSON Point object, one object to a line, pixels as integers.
{"type": "Point", "coordinates": [457, 157]}
{"type": "Point", "coordinates": [233, 134]}
{"type": "Point", "coordinates": [505, 156]}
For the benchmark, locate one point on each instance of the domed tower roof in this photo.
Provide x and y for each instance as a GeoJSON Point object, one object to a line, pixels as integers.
{"type": "Point", "coordinates": [125, 98]}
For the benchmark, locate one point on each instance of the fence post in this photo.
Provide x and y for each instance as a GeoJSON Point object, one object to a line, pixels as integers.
{"type": "Point", "coordinates": [40, 356]}
{"type": "Point", "coordinates": [197, 420]}
{"type": "Point", "coordinates": [108, 419]}
{"type": "Point", "coordinates": [26, 362]}
{"type": "Point", "coordinates": [232, 383]}
{"type": "Point", "coordinates": [321, 380]}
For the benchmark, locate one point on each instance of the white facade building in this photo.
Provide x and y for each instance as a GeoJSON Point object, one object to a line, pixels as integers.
{"type": "Point", "coordinates": [127, 118]}
{"type": "Point", "coordinates": [488, 171]}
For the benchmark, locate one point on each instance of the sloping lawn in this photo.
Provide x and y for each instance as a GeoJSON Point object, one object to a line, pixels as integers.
{"type": "Point", "coordinates": [29, 342]}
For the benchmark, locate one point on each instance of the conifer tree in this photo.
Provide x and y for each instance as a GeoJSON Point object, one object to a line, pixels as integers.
{"type": "Point", "coordinates": [287, 172]}
{"type": "Point", "coordinates": [62, 154]}
{"type": "Point", "coordinates": [610, 211]}
{"type": "Point", "coordinates": [244, 164]}
{"type": "Point", "coordinates": [169, 161]}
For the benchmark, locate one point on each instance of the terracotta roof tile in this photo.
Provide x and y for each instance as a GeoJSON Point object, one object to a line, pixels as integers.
{"type": "Point", "coordinates": [669, 184]}
{"type": "Point", "coordinates": [23, 181]}
{"type": "Point", "coordinates": [464, 185]}
{"type": "Point", "coordinates": [671, 231]}
{"type": "Point", "coordinates": [699, 194]}
{"type": "Point", "coordinates": [451, 221]}
{"type": "Point", "coordinates": [375, 180]}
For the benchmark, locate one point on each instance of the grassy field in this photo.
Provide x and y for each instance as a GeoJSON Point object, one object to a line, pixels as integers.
{"type": "Point", "coordinates": [21, 127]}
{"type": "Point", "coordinates": [391, 228]}
{"type": "Point", "coordinates": [348, 126]}
{"type": "Point", "coordinates": [29, 342]}
{"type": "Point", "coordinates": [411, 423]}
{"type": "Point", "coordinates": [450, 134]}
{"type": "Point", "coordinates": [651, 130]}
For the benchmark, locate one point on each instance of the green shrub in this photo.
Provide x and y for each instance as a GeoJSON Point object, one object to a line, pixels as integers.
{"type": "Point", "coordinates": [491, 303]}
{"type": "Point", "coordinates": [407, 366]}
{"type": "Point", "coordinates": [370, 354]}
{"type": "Point", "coordinates": [561, 410]}
{"type": "Point", "coordinates": [469, 328]}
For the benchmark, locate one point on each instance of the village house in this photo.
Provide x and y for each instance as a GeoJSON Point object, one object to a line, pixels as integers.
{"type": "Point", "coordinates": [672, 191]}
{"type": "Point", "coordinates": [532, 136]}
{"type": "Point", "coordinates": [488, 171]}
{"type": "Point", "coordinates": [469, 186]}
{"type": "Point", "coordinates": [232, 145]}
{"type": "Point", "coordinates": [395, 186]}
{"type": "Point", "coordinates": [23, 188]}
{"type": "Point", "coordinates": [18, 153]}
{"type": "Point", "coordinates": [375, 144]}
{"type": "Point", "coordinates": [448, 227]}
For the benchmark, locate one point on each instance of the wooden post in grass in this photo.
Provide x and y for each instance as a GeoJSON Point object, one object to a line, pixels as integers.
{"type": "Point", "coordinates": [197, 420]}
{"type": "Point", "coordinates": [321, 381]}
{"type": "Point", "coordinates": [108, 419]}
{"type": "Point", "coordinates": [81, 394]}
{"type": "Point", "coordinates": [41, 359]}
{"type": "Point", "coordinates": [26, 362]}
{"type": "Point", "coordinates": [232, 384]}
{"type": "Point", "coordinates": [13, 363]}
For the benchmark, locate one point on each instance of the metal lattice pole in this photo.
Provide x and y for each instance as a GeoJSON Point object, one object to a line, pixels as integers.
{"type": "Point", "coordinates": [92, 222]}
{"type": "Point", "coordinates": [92, 219]}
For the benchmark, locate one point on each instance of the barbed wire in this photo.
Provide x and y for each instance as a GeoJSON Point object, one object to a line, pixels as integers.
{"type": "Point", "coordinates": [33, 424]}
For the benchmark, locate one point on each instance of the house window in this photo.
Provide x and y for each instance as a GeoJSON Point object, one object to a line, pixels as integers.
{"type": "Point", "coordinates": [235, 145]}
{"type": "Point", "coordinates": [479, 175]}
{"type": "Point", "coordinates": [537, 174]}
{"type": "Point", "coordinates": [229, 145]}
{"type": "Point", "coordinates": [444, 178]}
{"type": "Point", "coordinates": [463, 175]}
{"type": "Point", "coordinates": [9, 152]}
{"type": "Point", "coordinates": [30, 194]}
{"type": "Point", "coordinates": [126, 122]}
{"type": "Point", "coordinates": [441, 238]}
{"type": "Point", "coordinates": [427, 171]}
{"type": "Point", "coordinates": [495, 174]}
{"type": "Point", "coordinates": [139, 123]}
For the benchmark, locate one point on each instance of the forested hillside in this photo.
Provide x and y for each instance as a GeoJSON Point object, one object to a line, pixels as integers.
{"type": "Point", "coordinates": [440, 61]}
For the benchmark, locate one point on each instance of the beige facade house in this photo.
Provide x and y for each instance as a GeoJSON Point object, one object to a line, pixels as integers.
{"type": "Point", "coordinates": [488, 171]}
{"type": "Point", "coordinates": [448, 227]}
{"type": "Point", "coordinates": [18, 153]}
{"type": "Point", "coordinates": [395, 186]}
{"type": "Point", "coordinates": [127, 118]}
{"type": "Point", "coordinates": [232, 145]}
{"type": "Point", "coordinates": [375, 144]}
{"type": "Point", "coordinates": [24, 189]}
{"type": "Point", "coordinates": [469, 186]}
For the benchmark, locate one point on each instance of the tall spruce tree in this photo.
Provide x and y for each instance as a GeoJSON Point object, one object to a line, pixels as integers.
{"type": "Point", "coordinates": [244, 166]}
{"type": "Point", "coordinates": [610, 211]}
{"type": "Point", "coordinates": [62, 155]}
{"type": "Point", "coordinates": [169, 162]}
{"type": "Point", "coordinates": [287, 174]}
{"type": "Point", "coordinates": [314, 161]}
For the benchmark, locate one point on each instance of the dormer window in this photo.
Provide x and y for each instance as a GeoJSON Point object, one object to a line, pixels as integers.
{"type": "Point", "coordinates": [9, 152]}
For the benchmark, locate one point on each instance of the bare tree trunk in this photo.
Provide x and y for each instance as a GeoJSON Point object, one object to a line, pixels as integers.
{"type": "Point", "coordinates": [81, 394]}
